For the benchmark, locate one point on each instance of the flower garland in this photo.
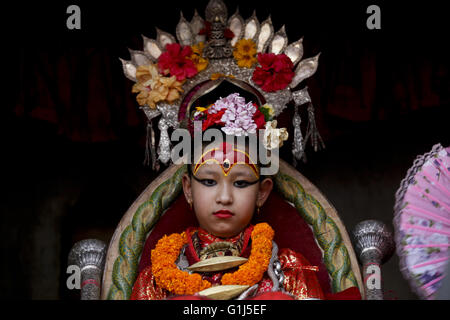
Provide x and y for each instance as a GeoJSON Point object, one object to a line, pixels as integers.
{"type": "Point", "coordinates": [168, 276]}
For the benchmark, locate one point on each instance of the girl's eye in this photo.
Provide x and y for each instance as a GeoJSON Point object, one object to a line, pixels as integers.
{"type": "Point", "coordinates": [208, 182]}
{"type": "Point", "coordinates": [241, 184]}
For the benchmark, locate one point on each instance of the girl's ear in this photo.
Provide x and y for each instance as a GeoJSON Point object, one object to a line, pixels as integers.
{"type": "Point", "coordinates": [265, 187]}
{"type": "Point", "coordinates": [186, 181]}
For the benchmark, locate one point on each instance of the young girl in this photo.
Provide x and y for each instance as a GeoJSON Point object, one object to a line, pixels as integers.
{"type": "Point", "coordinates": [226, 255]}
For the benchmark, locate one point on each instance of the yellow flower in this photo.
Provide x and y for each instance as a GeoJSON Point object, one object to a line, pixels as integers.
{"type": "Point", "coordinates": [246, 61]}
{"type": "Point", "coordinates": [202, 109]}
{"type": "Point", "coordinates": [218, 75]}
{"type": "Point", "coordinates": [197, 57]}
{"type": "Point", "coordinates": [245, 53]}
{"type": "Point", "coordinates": [152, 88]}
{"type": "Point", "coordinates": [245, 47]}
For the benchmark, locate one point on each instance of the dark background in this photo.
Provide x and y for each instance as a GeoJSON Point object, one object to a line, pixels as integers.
{"type": "Point", "coordinates": [73, 136]}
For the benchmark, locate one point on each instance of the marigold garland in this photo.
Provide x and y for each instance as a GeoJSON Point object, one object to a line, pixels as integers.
{"type": "Point", "coordinates": [169, 277]}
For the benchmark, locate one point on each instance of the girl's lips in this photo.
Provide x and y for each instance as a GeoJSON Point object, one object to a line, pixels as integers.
{"type": "Point", "coordinates": [223, 214]}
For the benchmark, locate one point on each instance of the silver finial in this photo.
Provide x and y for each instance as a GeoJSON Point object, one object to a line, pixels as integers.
{"type": "Point", "coordinates": [373, 235]}
{"type": "Point", "coordinates": [374, 245]}
{"type": "Point", "coordinates": [89, 256]}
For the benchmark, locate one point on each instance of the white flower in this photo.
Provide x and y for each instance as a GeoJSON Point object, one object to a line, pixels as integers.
{"type": "Point", "coordinates": [273, 137]}
{"type": "Point", "coordinates": [238, 116]}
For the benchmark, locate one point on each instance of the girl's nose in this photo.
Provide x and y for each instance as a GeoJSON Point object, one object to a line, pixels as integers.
{"type": "Point", "coordinates": [224, 195]}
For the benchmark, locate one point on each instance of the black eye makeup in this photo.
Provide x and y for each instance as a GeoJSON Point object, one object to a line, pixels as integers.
{"type": "Point", "coordinates": [243, 183]}
{"type": "Point", "coordinates": [206, 182]}
{"type": "Point", "coordinates": [238, 183]}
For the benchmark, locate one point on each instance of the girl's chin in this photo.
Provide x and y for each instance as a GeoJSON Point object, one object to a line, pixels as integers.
{"type": "Point", "coordinates": [224, 232]}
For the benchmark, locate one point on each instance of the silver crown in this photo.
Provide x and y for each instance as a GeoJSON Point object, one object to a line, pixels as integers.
{"type": "Point", "coordinates": [218, 50]}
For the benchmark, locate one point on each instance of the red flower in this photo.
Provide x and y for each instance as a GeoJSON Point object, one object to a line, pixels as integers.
{"type": "Point", "coordinates": [175, 61]}
{"type": "Point", "coordinates": [212, 119]}
{"type": "Point", "coordinates": [275, 72]}
{"type": "Point", "coordinates": [259, 119]}
{"type": "Point", "coordinates": [228, 34]}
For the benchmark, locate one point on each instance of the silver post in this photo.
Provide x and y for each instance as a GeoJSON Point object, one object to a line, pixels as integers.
{"type": "Point", "coordinates": [89, 256]}
{"type": "Point", "coordinates": [374, 245]}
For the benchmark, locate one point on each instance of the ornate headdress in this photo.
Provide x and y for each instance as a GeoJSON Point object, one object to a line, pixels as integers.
{"type": "Point", "coordinates": [171, 75]}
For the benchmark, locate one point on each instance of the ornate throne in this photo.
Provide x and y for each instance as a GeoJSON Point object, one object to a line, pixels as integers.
{"type": "Point", "coordinates": [303, 219]}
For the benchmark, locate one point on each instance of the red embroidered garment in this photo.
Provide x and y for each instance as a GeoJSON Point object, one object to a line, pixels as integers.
{"type": "Point", "coordinates": [300, 277]}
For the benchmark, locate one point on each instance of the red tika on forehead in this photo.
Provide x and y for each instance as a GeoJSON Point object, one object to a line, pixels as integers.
{"type": "Point", "coordinates": [226, 156]}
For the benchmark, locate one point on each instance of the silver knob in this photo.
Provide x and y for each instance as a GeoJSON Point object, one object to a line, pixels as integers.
{"type": "Point", "coordinates": [374, 245]}
{"type": "Point", "coordinates": [89, 256]}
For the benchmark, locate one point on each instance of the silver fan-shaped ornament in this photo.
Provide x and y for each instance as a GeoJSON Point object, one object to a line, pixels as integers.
{"type": "Point", "coordinates": [279, 41]}
{"type": "Point", "coordinates": [139, 58]}
{"type": "Point", "coordinates": [305, 69]}
{"type": "Point", "coordinates": [251, 28]}
{"type": "Point", "coordinates": [236, 25]}
{"type": "Point", "coordinates": [184, 32]}
{"type": "Point", "coordinates": [295, 51]}
{"type": "Point", "coordinates": [197, 24]}
{"type": "Point", "coordinates": [129, 69]}
{"type": "Point", "coordinates": [265, 35]}
{"type": "Point", "coordinates": [164, 38]}
{"type": "Point", "coordinates": [152, 48]}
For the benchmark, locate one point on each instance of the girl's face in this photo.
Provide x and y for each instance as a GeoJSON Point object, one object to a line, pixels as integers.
{"type": "Point", "coordinates": [224, 204]}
